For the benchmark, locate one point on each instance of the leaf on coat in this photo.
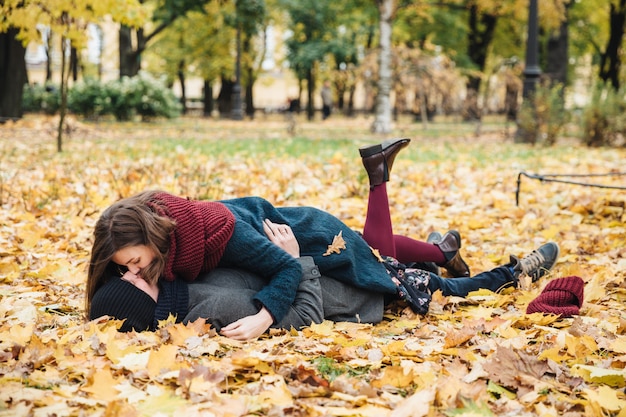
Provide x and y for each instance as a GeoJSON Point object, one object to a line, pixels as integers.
{"type": "Point", "coordinates": [337, 245]}
{"type": "Point", "coordinates": [377, 254]}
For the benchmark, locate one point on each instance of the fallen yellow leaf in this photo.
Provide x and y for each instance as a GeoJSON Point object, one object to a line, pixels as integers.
{"type": "Point", "coordinates": [103, 385]}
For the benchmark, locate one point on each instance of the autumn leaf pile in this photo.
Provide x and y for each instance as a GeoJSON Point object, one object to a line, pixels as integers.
{"type": "Point", "coordinates": [474, 356]}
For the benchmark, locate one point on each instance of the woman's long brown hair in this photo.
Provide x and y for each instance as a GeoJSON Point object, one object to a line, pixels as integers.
{"type": "Point", "coordinates": [128, 222]}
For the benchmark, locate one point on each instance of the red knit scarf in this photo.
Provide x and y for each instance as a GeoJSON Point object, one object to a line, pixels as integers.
{"type": "Point", "coordinates": [202, 231]}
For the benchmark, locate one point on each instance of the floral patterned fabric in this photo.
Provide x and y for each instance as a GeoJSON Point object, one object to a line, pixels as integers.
{"type": "Point", "coordinates": [412, 284]}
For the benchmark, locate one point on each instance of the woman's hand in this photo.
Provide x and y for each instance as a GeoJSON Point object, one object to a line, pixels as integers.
{"type": "Point", "coordinates": [249, 327]}
{"type": "Point", "coordinates": [282, 235]}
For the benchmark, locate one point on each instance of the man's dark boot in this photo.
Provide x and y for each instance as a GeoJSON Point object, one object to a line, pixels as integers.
{"type": "Point", "coordinates": [450, 244]}
{"type": "Point", "coordinates": [538, 263]}
{"type": "Point", "coordinates": [378, 159]}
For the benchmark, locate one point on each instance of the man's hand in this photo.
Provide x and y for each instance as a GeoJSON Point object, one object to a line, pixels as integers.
{"type": "Point", "coordinates": [151, 289]}
{"type": "Point", "coordinates": [282, 235]}
{"type": "Point", "coordinates": [249, 327]}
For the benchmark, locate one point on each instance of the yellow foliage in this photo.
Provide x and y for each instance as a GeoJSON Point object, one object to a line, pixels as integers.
{"type": "Point", "coordinates": [395, 376]}
{"type": "Point", "coordinates": [68, 18]}
{"type": "Point", "coordinates": [162, 360]}
{"type": "Point", "coordinates": [606, 398]}
{"type": "Point", "coordinates": [19, 335]}
{"type": "Point", "coordinates": [594, 374]}
{"type": "Point", "coordinates": [475, 347]}
{"type": "Point", "coordinates": [102, 385]}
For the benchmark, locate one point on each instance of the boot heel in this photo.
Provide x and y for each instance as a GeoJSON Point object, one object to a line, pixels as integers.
{"type": "Point", "coordinates": [378, 159]}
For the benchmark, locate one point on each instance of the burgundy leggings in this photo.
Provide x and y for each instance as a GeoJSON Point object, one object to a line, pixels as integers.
{"type": "Point", "coordinates": [378, 233]}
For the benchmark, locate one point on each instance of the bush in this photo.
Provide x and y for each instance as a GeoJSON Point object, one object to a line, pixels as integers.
{"type": "Point", "coordinates": [543, 118]}
{"type": "Point", "coordinates": [88, 99]}
{"type": "Point", "coordinates": [152, 98]}
{"type": "Point", "coordinates": [604, 119]}
{"type": "Point", "coordinates": [119, 99]}
{"type": "Point", "coordinates": [143, 95]}
{"type": "Point", "coordinates": [41, 98]}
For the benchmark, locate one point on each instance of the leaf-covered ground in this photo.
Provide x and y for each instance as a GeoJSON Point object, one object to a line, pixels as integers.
{"type": "Point", "coordinates": [478, 356]}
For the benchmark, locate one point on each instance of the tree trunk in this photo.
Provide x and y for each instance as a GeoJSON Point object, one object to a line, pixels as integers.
{"type": "Point", "coordinates": [310, 87]}
{"type": "Point", "coordinates": [481, 30]}
{"type": "Point", "coordinates": [382, 121]}
{"type": "Point", "coordinates": [350, 109]}
{"type": "Point", "coordinates": [557, 52]}
{"type": "Point", "coordinates": [48, 50]}
{"type": "Point", "coordinates": [65, 72]}
{"type": "Point", "coordinates": [249, 89]}
{"type": "Point", "coordinates": [74, 63]}
{"type": "Point", "coordinates": [130, 58]}
{"type": "Point", "coordinates": [225, 97]}
{"type": "Point", "coordinates": [610, 61]}
{"type": "Point", "coordinates": [340, 89]}
{"type": "Point", "coordinates": [250, 97]}
{"type": "Point", "coordinates": [250, 77]}
{"type": "Point", "coordinates": [13, 75]}
{"type": "Point", "coordinates": [181, 79]}
{"type": "Point", "coordinates": [208, 98]}
{"type": "Point", "coordinates": [371, 33]}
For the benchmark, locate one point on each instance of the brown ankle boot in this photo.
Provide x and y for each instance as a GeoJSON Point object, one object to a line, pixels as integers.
{"type": "Point", "coordinates": [378, 159]}
{"type": "Point", "coordinates": [450, 244]}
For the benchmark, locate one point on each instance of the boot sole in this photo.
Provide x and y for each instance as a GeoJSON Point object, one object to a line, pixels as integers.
{"type": "Point", "coordinates": [378, 148]}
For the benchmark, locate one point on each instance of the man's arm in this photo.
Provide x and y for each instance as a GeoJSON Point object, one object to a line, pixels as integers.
{"type": "Point", "coordinates": [255, 325]}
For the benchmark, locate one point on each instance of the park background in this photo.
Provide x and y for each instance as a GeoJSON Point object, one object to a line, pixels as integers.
{"type": "Point", "coordinates": [480, 355]}
{"type": "Point", "coordinates": [465, 59]}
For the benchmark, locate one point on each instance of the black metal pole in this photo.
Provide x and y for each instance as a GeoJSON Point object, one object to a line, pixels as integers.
{"type": "Point", "coordinates": [532, 70]}
{"type": "Point", "coordinates": [237, 112]}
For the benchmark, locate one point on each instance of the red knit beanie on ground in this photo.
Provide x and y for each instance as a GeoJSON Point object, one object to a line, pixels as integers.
{"type": "Point", "coordinates": [562, 296]}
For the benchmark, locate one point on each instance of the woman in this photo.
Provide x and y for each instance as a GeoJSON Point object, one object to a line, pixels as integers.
{"type": "Point", "coordinates": [155, 234]}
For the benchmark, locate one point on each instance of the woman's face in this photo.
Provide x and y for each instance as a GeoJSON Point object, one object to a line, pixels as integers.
{"type": "Point", "coordinates": [135, 258]}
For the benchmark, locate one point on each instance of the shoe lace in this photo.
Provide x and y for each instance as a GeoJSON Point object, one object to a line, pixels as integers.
{"type": "Point", "coordinates": [532, 263]}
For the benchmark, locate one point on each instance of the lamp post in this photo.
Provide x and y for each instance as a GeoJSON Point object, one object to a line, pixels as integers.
{"type": "Point", "coordinates": [531, 69]}
{"type": "Point", "coordinates": [237, 112]}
